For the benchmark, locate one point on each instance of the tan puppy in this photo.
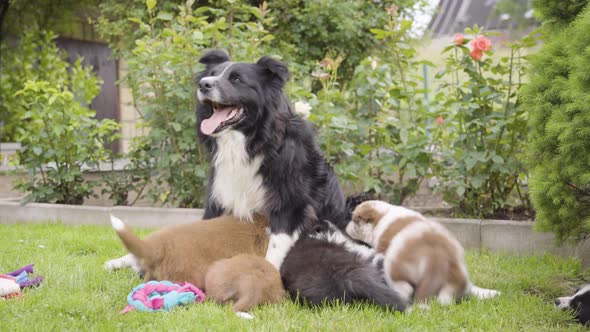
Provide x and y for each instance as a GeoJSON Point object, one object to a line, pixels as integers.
{"type": "Point", "coordinates": [183, 253]}
{"type": "Point", "coordinates": [245, 280]}
{"type": "Point", "coordinates": [421, 257]}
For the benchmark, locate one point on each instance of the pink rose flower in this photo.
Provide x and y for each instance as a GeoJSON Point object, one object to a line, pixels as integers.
{"type": "Point", "coordinates": [440, 120]}
{"type": "Point", "coordinates": [476, 54]}
{"type": "Point", "coordinates": [458, 39]}
{"type": "Point", "coordinates": [481, 43]}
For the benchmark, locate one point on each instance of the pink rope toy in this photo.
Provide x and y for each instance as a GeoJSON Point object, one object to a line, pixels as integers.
{"type": "Point", "coordinates": [162, 296]}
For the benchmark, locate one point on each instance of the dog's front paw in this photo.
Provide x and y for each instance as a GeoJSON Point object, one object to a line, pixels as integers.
{"type": "Point", "coordinates": [112, 264]}
{"type": "Point", "coordinates": [118, 263]}
{"type": "Point", "coordinates": [484, 293]}
{"type": "Point", "coordinates": [244, 315]}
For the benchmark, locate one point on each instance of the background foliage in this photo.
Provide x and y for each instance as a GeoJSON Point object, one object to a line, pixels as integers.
{"type": "Point", "coordinates": [59, 135]}
{"type": "Point", "coordinates": [355, 65]}
{"type": "Point", "coordinates": [311, 28]}
{"type": "Point", "coordinates": [557, 14]}
{"type": "Point", "coordinates": [480, 167]}
{"type": "Point", "coordinates": [368, 129]}
{"type": "Point", "coordinates": [34, 58]}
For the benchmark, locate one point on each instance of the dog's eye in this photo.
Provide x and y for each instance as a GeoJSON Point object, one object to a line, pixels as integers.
{"type": "Point", "coordinates": [236, 79]}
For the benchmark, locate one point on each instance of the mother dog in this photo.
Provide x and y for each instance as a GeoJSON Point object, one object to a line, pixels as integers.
{"type": "Point", "coordinates": [264, 157]}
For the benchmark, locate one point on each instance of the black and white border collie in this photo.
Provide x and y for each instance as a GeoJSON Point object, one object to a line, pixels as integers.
{"type": "Point", "coordinates": [579, 304]}
{"type": "Point", "coordinates": [264, 158]}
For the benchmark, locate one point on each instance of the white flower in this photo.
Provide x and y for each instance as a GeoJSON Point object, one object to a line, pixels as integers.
{"type": "Point", "coordinates": [374, 64]}
{"type": "Point", "coordinates": [302, 108]}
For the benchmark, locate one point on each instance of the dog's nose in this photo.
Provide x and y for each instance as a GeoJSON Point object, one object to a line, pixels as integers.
{"type": "Point", "coordinates": [205, 84]}
{"type": "Point", "coordinates": [557, 302]}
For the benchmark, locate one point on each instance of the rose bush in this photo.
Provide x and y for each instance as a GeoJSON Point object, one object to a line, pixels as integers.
{"type": "Point", "coordinates": [479, 168]}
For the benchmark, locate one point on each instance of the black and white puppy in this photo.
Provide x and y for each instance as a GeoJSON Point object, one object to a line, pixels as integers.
{"type": "Point", "coordinates": [264, 158]}
{"type": "Point", "coordinates": [325, 265]}
{"type": "Point", "coordinates": [579, 304]}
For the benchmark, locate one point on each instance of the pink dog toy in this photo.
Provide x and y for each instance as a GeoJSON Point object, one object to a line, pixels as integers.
{"type": "Point", "coordinates": [162, 295]}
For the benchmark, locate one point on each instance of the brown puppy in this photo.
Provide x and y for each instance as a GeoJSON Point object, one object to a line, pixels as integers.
{"type": "Point", "coordinates": [183, 253]}
{"type": "Point", "coordinates": [245, 280]}
{"type": "Point", "coordinates": [421, 257]}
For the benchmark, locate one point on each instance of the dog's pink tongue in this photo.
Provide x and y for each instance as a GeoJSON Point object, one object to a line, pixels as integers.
{"type": "Point", "coordinates": [208, 126]}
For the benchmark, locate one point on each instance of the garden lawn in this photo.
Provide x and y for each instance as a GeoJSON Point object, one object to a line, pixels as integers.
{"type": "Point", "coordinates": [78, 294]}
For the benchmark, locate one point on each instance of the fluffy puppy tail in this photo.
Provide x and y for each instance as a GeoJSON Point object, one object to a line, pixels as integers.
{"type": "Point", "coordinates": [371, 287]}
{"type": "Point", "coordinates": [131, 241]}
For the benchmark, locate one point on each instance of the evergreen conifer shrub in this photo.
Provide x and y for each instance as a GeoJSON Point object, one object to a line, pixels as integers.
{"type": "Point", "coordinates": [558, 13]}
{"type": "Point", "coordinates": [557, 99]}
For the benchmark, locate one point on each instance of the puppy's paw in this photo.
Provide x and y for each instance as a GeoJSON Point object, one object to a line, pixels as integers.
{"type": "Point", "coordinates": [491, 293]}
{"type": "Point", "coordinates": [418, 306]}
{"type": "Point", "coordinates": [483, 293]}
{"type": "Point", "coordinates": [125, 261]}
{"type": "Point", "coordinates": [244, 315]}
{"type": "Point", "coordinates": [112, 264]}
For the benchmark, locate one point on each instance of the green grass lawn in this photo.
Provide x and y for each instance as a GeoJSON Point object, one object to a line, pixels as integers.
{"type": "Point", "coordinates": [78, 294]}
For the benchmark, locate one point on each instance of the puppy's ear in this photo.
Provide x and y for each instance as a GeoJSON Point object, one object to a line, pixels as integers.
{"type": "Point", "coordinates": [364, 214]}
{"type": "Point", "coordinates": [278, 71]}
{"type": "Point", "coordinates": [214, 57]}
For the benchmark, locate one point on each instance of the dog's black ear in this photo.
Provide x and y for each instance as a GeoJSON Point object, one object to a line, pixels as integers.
{"type": "Point", "coordinates": [214, 57]}
{"type": "Point", "coordinates": [277, 69]}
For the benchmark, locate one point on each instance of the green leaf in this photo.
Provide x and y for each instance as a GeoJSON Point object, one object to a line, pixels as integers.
{"type": "Point", "coordinates": [405, 24]}
{"type": "Point", "coordinates": [135, 19]}
{"type": "Point", "coordinates": [477, 181]}
{"type": "Point", "coordinates": [460, 190]}
{"type": "Point", "coordinates": [498, 159]}
{"type": "Point", "coordinates": [176, 126]}
{"type": "Point", "coordinates": [164, 16]}
{"type": "Point", "coordinates": [470, 163]}
{"type": "Point", "coordinates": [198, 35]}
{"type": "Point", "coordinates": [411, 171]}
{"type": "Point", "coordinates": [151, 4]}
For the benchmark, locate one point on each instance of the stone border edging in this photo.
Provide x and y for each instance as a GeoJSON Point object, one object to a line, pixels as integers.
{"type": "Point", "coordinates": [147, 217]}
{"type": "Point", "coordinates": [495, 235]}
{"type": "Point", "coordinates": [509, 236]}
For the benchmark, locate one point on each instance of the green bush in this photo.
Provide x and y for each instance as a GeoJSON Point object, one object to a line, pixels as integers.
{"type": "Point", "coordinates": [308, 29]}
{"type": "Point", "coordinates": [557, 99]}
{"type": "Point", "coordinates": [162, 68]}
{"type": "Point", "coordinates": [377, 130]}
{"type": "Point", "coordinates": [479, 169]}
{"type": "Point", "coordinates": [42, 107]}
{"type": "Point", "coordinates": [60, 137]}
{"type": "Point", "coordinates": [135, 176]}
{"type": "Point", "coordinates": [35, 58]}
{"type": "Point", "coordinates": [558, 13]}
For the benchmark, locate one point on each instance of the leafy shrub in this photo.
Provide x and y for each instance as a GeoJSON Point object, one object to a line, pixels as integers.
{"type": "Point", "coordinates": [60, 137]}
{"type": "Point", "coordinates": [557, 99]}
{"type": "Point", "coordinates": [162, 67]}
{"type": "Point", "coordinates": [377, 131]}
{"type": "Point", "coordinates": [485, 130]}
{"type": "Point", "coordinates": [397, 121]}
{"type": "Point", "coordinates": [35, 58]}
{"type": "Point", "coordinates": [309, 29]}
{"type": "Point", "coordinates": [118, 184]}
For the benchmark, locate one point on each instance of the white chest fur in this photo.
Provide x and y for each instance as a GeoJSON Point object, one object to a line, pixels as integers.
{"type": "Point", "coordinates": [237, 186]}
